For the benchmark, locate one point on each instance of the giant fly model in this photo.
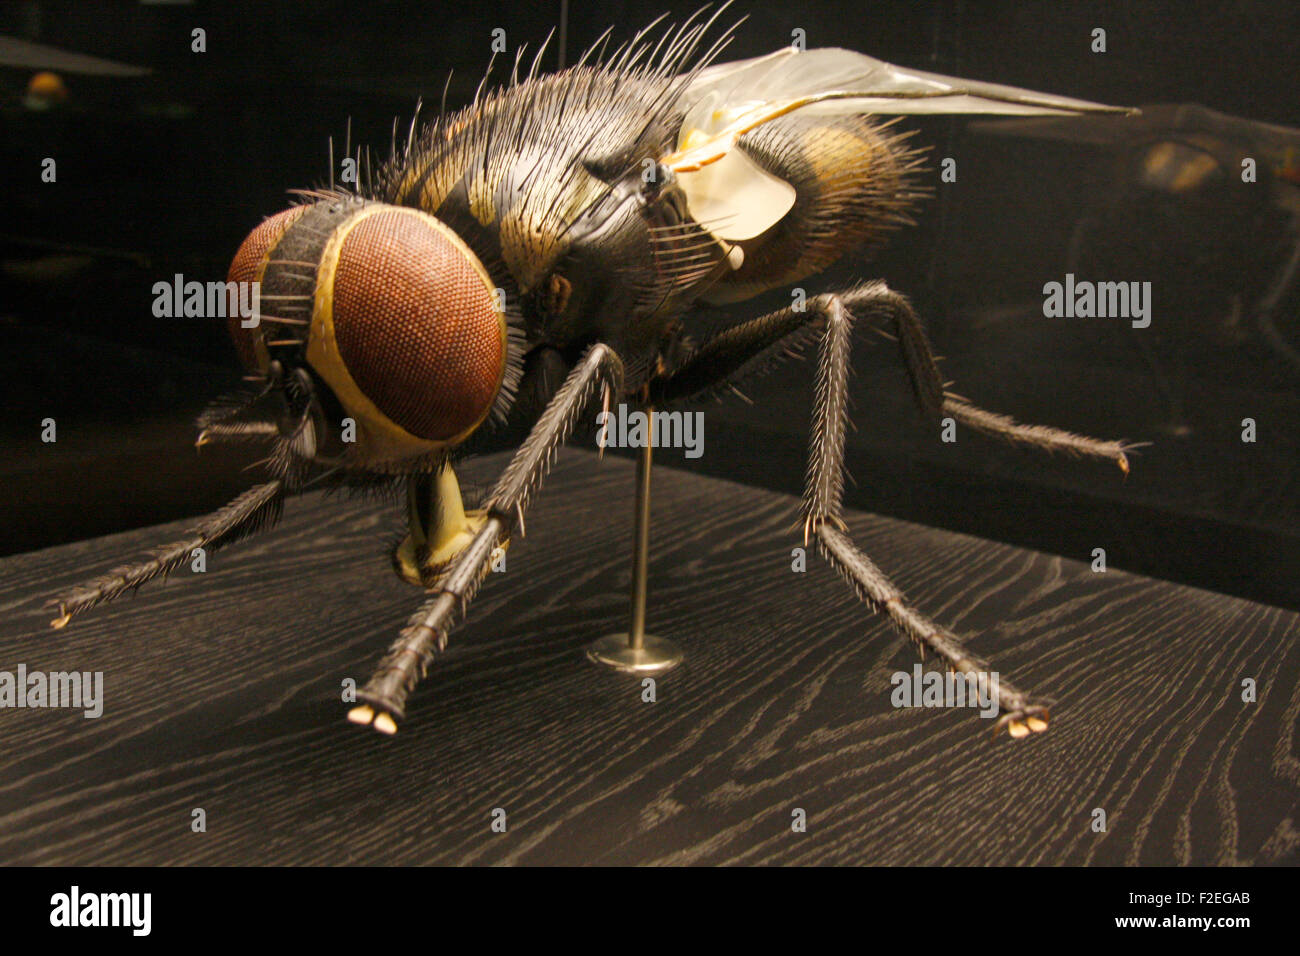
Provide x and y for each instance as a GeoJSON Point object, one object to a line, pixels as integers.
{"type": "Point", "coordinates": [520, 263]}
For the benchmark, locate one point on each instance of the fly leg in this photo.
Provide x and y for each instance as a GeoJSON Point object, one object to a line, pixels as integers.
{"type": "Point", "coordinates": [753, 344]}
{"type": "Point", "coordinates": [822, 509]}
{"type": "Point", "coordinates": [257, 508]}
{"type": "Point", "coordinates": [382, 702]}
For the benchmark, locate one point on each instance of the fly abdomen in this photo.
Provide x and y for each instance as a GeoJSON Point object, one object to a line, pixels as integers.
{"type": "Point", "coordinates": [853, 181]}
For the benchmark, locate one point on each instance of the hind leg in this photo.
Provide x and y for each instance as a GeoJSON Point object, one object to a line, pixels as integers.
{"type": "Point", "coordinates": [743, 348]}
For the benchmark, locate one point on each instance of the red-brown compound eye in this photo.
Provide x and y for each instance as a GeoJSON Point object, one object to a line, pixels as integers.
{"type": "Point", "coordinates": [247, 266]}
{"type": "Point", "coordinates": [417, 324]}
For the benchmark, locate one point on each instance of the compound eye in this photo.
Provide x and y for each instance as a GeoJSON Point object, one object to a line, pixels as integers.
{"type": "Point", "coordinates": [417, 322]}
{"type": "Point", "coordinates": [247, 266]}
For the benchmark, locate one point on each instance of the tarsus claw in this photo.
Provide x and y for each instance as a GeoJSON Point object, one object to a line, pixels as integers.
{"type": "Point", "coordinates": [365, 714]}
{"type": "Point", "coordinates": [1022, 723]}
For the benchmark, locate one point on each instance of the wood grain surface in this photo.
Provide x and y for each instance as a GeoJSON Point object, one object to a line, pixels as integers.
{"type": "Point", "coordinates": [222, 691]}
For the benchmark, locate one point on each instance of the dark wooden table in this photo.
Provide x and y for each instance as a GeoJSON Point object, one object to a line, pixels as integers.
{"type": "Point", "coordinates": [222, 692]}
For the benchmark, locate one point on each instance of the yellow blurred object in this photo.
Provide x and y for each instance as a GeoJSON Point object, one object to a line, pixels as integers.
{"type": "Point", "coordinates": [45, 89]}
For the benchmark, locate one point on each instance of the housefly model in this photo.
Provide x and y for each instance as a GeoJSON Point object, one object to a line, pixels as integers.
{"type": "Point", "coordinates": [523, 261]}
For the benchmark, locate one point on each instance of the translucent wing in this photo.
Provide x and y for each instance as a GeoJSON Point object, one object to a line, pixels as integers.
{"type": "Point", "coordinates": [36, 56]}
{"type": "Point", "coordinates": [724, 102]}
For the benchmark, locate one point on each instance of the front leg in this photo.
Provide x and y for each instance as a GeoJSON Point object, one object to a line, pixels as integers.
{"type": "Point", "coordinates": [256, 509]}
{"type": "Point", "coordinates": [383, 699]}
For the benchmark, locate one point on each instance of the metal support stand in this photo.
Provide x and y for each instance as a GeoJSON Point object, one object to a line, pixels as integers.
{"type": "Point", "coordinates": [637, 652]}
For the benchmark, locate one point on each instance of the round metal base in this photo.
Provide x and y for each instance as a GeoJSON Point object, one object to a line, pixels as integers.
{"type": "Point", "coordinates": [656, 655]}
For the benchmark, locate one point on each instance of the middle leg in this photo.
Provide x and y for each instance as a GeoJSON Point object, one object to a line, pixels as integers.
{"type": "Point", "coordinates": [823, 505]}
{"type": "Point", "coordinates": [741, 349]}
{"type": "Point", "coordinates": [752, 347]}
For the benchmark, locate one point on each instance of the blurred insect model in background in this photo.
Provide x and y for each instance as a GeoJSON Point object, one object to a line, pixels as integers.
{"type": "Point", "coordinates": [528, 260]}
